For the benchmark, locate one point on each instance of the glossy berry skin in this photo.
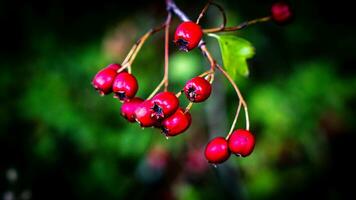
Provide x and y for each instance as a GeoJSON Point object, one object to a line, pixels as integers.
{"type": "Point", "coordinates": [197, 89]}
{"type": "Point", "coordinates": [281, 12]}
{"type": "Point", "coordinates": [176, 123]}
{"type": "Point", "coordinates": [143, 114]}
{"type": "Point", "coordinates": [104, 79]}
{"type": "Point", "coordinates": [188, 35]}
{"type": "Point", "coordinates": [241, 142]}
{"type": "Point", "coordinates": [164, 105]}
{"type": "Point", "coordinates": [125, 86]}
{"type": "Point", "coordinates": [128, 108]}
{"type": "Point", "coordinates": [217, 150]}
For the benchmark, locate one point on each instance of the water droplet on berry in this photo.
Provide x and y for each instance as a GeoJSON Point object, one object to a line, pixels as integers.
{"type": "Point", "coordinates": [215, 166]}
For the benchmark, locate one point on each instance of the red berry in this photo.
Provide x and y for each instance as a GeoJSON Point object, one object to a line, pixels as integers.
{"type": "Point", "coordinates": [128, 108]}
{"type": "Point", "coordinates": [164, 105]}
{"type": "Point", "coordinates": [281, 12]}
{"type": "Point", "coordinates": [197, 89]}
{"type": "Point", "coordinates": [143, 114]}
{"type": "Point", "coordinates": [187, 36]}
{"type": "Point", "coordinates": [125, 86]}
{"type": "Point", "coordinates": [176, 123]}
{"type": "Point", "coordinates": [241, 142]}
{"type": "Point", "coordinates": [104, 79]}
{"type": "Point", "coordinates": [217, 150]}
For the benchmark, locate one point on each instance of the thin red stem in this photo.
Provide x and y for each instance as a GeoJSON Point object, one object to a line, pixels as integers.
{"type": "Point", "coordinates": [221, 9]}
{"type": "Point", "coordinates": [165, 79]}
{"type": "Point", "coordinates": [241, 102]}
{"type": "Point", "coordinates": [137, 47]}
{"type": "Point", "coordinates": [166, 51]}
{"type": "Point", "coordinates": [203, 12]}
{"type": "Point", "coordinates": [238, 27]}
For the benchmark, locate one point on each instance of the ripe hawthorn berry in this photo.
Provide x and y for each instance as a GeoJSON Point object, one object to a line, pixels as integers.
{"type": "Point", "coordinates": [197, 89]}
{"type": "Point", "coordinates": [188, 35]}
{"type": "Point", "coordinates": [164, 104]}
{"type": "Point", "coordinates": [125, 86]}
{"type": "Point", "coordinates": [104, 79]}
{"type": "Point", "coordinates": [176, 123]}
{"type": "Point", "coordinates": [143, 114]}
{"type": "Point", "coordinates": [128, 108]}
{"type": "Point", "coordinates": [241, 142]}
{"type": "Point", "coordinates": [217, 150]}
{"type": "Point", "coordinates": [281, 12]}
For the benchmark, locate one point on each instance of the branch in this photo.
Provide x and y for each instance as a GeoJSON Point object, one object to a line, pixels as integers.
{"type": "Point", "coordinates": [238, 27]}
{"type": "Point", "coordinates": [241, 102]}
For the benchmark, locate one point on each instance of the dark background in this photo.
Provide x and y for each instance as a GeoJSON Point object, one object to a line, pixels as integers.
{"type": "Point", "coordinates": [60, 140]}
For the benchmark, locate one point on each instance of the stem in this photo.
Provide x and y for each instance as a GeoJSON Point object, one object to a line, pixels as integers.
{"type": "Point", "coordinates": [206, 73]}
{"type": "Point", "coordinates": [203, 12]}
{"type": "Point", "coordinates": [179, 93]}
{"type": "Point", "coordinates": [207, 54]}
{"type": "Point", "coordinates": [221, 9]}
{"type": "Point", "coordinates": [130, 54]}
{"type": "Point", "coordinates": [238, 27]}
{"type": "Point", "coordinates": [189, 106]}
{"type": "Point", "coordinates": [156, 89]}
{"type": "Point", "coordinates": [166, 54]}
{"type": "Point", "coordinates": [166, 51]}
{"type": "Point", "coordinates": [241, 102]}
{"type": "Point", "coordinates": [137, 47]}
{"type": "Point", "coordinates": [172, 7]}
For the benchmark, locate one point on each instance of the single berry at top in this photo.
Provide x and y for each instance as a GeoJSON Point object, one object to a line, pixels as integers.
{"type": "Point", "coordinates": [128, 108]}
{"type": "Point", "coordinates": [125, 86]}
{"type": "Point", "coordinates": [197, 89]}
{"type": "Point", "coordinates": [281, 12]}
{"type": "Point", "coordinates": [241, 142]}
{"type": "Point", "coordinates": [164, 105]}
{"type": "Point", "coordinates": [176, 123]}
{"type": "Point", "coordinates": [188, 35]}
{"type": "Point", "coordinates": [143, 114]}
{"type": "Point", "coordinates": [104, 79]}
{"type": "Point", "coordinates": [217, 150]}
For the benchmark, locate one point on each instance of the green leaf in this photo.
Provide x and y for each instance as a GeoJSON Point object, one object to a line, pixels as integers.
{"type": "Point", "coordinates": [235, 51]}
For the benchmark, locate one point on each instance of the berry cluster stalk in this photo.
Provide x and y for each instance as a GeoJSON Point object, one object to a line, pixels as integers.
{"type": "Point", "coordinates": [171, 6]}
{"type": "Point", "coordinates": [238, 27]}
{"type": "Point", "coordinates": [137, 47]}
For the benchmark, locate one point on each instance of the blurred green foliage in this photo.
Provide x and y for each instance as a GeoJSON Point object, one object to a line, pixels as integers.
{"type": "Point", "coordinates": [66, 141]}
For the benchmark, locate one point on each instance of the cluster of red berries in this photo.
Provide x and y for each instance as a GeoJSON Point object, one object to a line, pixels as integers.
{"type": "Point", "coordinates": [161, 111]}
{"type": "Point", "coordinates": [241, 143]}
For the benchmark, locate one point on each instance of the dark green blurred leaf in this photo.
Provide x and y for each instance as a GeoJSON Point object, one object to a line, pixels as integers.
{"type": "Point", "coordinates": [235, 51]}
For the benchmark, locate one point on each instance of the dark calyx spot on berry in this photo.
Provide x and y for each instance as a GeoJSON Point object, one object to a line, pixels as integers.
{"type": "Point", "coordinates": [165, 131]}
{"type": "Point", "coordinates": [120, 95]}
{"type": "Point", "coordinates": [182, 44]}
{"type": "Point", "coordinates": [158, 111]}
{"type": "Point", "coordinates": [191, 94]}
